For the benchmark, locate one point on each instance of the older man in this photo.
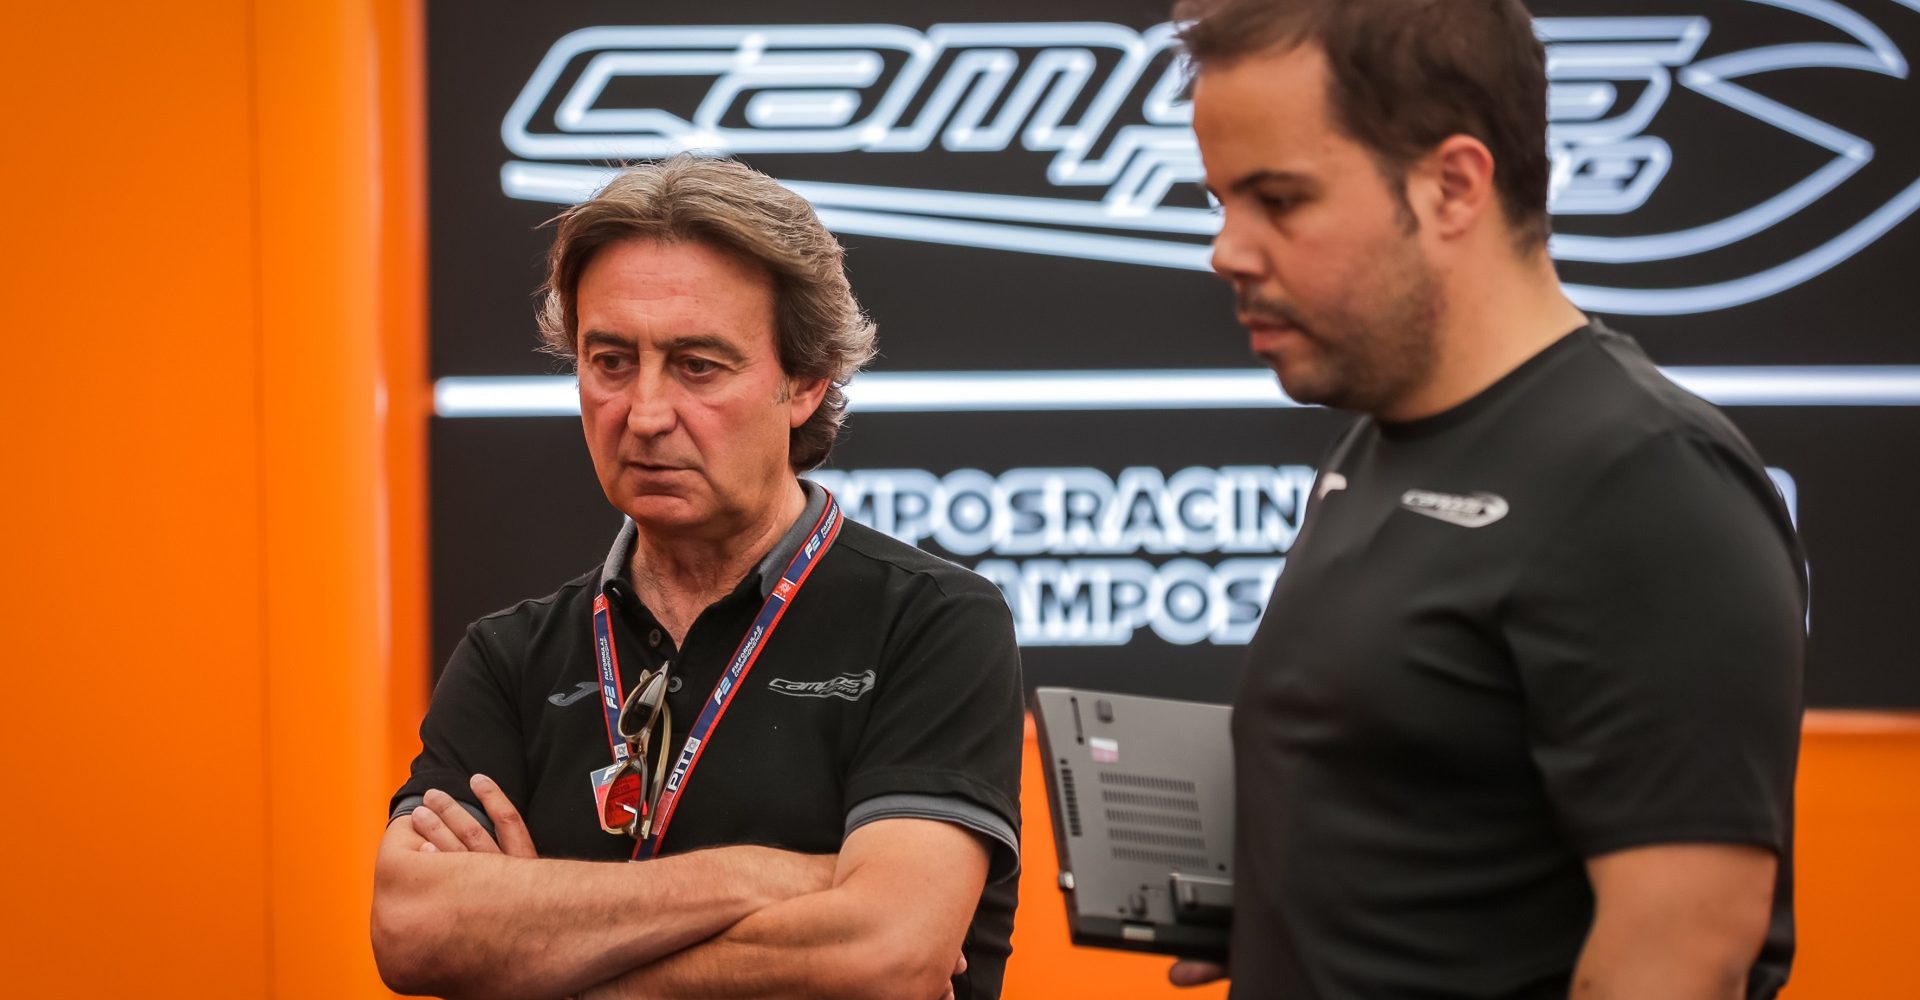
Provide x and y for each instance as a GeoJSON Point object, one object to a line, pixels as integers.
{"type": "Point", "coordinates": [1522, 717]}
{"type": "Point", "coordinates": [807, 734]}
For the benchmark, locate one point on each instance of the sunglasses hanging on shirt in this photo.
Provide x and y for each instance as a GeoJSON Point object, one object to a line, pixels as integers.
{"type": "Point", "coordinates": [624, 792]}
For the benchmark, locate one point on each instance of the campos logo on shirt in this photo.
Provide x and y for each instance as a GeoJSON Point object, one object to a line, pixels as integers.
{"type": "Point", "coordinates": [850, 687]}
{"type": "Point", "coordinates": [1471, 510]}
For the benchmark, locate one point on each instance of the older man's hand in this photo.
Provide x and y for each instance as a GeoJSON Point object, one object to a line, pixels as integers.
{"type": "Point", "coordinates": [446, 825]}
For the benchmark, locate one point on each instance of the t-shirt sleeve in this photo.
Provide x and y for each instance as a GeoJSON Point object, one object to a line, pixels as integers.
{"type": "Point", "coordinates": [948, 720]}
{"type": "Point", "coordinates": [1659, 636]}
{"type": "Point", "coordinates": [470, 728]}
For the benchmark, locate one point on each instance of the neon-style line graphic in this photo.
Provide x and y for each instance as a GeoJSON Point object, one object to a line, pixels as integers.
{"type": "Point", "coordinates": [881, 89]}
{"type": "Point", "coordinates": [1178, 389]}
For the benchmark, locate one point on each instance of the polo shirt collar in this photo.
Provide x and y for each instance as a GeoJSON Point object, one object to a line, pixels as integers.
{"type": "Point", "coordinates": [769, 569]}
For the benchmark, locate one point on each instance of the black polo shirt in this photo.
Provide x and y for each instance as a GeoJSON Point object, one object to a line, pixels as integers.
{"type": "Point", "coordinates": [1560, 620]}
{"type": "Point", "coordinates": [891, 687]}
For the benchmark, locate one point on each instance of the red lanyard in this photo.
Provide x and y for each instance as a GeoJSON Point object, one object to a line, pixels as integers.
{"type": "Point", "coordinates": [755, 642]}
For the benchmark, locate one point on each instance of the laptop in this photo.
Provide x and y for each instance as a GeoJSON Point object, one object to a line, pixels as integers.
{"type": "Point", "coordinates": [1141, 795]}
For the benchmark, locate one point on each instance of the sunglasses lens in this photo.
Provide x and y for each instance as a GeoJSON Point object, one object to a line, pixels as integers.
{"type": "Point", "coordinates": [641, 703]}
{"type": "Point", "coordinates": [621, 808]}
{"type": "Point", "coordinates": [624, 798]}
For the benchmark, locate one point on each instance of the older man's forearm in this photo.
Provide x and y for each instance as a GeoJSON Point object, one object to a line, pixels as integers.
{"type": "Point", "coordinates": [486, 925]}
{"type": "Point", "coordinates": [828, 945]}
{"type": "Point", "coordinates": [891, 926]}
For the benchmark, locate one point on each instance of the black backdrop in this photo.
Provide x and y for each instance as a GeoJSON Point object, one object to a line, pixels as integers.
{"type": "Point", "coordinates": [516, 510]}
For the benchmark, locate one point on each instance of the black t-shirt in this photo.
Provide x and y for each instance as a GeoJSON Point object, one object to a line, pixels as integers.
{"type": "Point", "coordinates": [1562, 619]}
{"type": "Point", "coordinates": [891, 687]}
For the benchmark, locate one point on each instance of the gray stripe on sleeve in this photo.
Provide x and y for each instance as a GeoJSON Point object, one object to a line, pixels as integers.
{"type": "Point", "coordinates": [951, 809]}
{"type": "Point", "coordinates": [412, 802]}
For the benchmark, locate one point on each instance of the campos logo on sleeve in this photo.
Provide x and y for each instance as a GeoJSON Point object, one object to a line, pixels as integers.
{"type": "Point", "coordinates": [1096, 117]}
{"type": "Point", "coordinates": [850, 687]}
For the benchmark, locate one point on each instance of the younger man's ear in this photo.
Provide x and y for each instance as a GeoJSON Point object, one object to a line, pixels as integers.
{"type": "Point", "coordinates": [1458, 178]}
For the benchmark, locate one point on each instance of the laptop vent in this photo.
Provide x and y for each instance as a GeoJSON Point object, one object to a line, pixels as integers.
{"type": "Point", "coordinates": [1137, 817]}
{"type": "Point", "coordinates": [1126, 780]}
{"type": "Point", "coordinates": [1142, 801]}
{"type": "Point", "coordinates": [1072, 801]}
{"type": "Point", "coordinates": [1154, 820]}
{"type": "Point", "coordinates": [1156, 839]}
{"type": "Point", "coordinates": [1172, 861]}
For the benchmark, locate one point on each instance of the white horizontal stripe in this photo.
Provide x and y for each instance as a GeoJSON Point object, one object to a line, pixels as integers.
{"type": "Point", "coordinates": [1841, 385]}
{"type": "Point", "coordinates": [960, 392]}
{"type": "Point", "coordinates": [506, 396]}
{"type": "Point", "coordinates": [1173, 389]}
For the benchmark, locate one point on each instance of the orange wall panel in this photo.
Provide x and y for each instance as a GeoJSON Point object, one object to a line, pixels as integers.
{"type": "Point", "coordinates": [135, 830]}
{"type": "Point", "coordinates": [197, 585]}
{"type": "Point", "coordinates": [1858, 857]}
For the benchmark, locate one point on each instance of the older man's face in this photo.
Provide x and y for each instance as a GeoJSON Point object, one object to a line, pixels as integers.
{"type": "Point", "coordinates": [686, 409]}
{"type": "Point", "coordinates": [1331, 281]}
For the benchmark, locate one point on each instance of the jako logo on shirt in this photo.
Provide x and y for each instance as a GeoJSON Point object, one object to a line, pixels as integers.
{"type": "Point", "coordinates": [1473, 510]}
{"type": "Point", "coordinates": [850, 687]}
{"type": "Point", "coordinates": [580, 690]}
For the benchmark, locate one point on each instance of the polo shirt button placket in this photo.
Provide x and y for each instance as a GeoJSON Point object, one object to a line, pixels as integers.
{"type": "Point", "coordinates": [654, 638]}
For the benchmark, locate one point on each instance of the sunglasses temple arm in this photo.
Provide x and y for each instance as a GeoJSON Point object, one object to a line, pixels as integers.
{"type": "Point", "coordinates": [659, 769]}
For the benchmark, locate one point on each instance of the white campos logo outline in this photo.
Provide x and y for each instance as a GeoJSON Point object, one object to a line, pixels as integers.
{"type": "Point", "coordinates": [966, 88]}
{"type": "Point", "coordinates": [846, 687]}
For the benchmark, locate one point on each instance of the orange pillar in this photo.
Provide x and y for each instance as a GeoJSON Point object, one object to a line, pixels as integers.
{"type": "Point", "coordinates": [325, 593]}
{"type": "Point", "coordinates": [211, 272]}
{"type": "Point", "coordinates": [136, 799]}
{"type": "Point", "coordinates": [401, 51]}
